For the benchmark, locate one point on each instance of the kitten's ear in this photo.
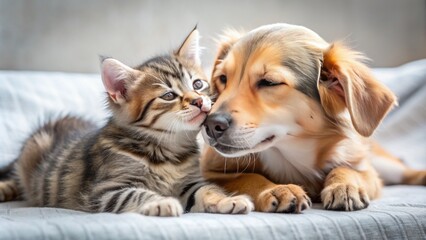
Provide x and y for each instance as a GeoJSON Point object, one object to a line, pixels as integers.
{"type": "Point", "coordinates": [116, 77]}
{"type": "Point", "coordinates": [190, 48]}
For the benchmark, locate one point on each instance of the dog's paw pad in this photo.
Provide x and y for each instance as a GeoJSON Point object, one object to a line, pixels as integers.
{"type": "Point", "coordinates": [284, 199]}
{"type": "Point", "coordinates": [344, 197]}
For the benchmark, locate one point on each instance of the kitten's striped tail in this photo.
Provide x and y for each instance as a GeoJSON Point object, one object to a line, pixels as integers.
{"type": "Point", "coordinates": [8, 185]}
{"type": "Point", "coordinates": [21, 171]}
{"type": "Point", "coordinates": [19, 178]}
{"type": "Point", "coordinates": [6, 171]}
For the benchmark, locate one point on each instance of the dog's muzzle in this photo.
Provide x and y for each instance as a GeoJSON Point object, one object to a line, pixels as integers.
{"type": "Point", "coordinates": [218, 134]}
{"type": "Point", "coordinates": [216, 124]}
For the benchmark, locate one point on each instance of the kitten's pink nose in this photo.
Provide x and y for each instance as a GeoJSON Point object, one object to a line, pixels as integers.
{"type": "Point", "coordinates": [197, 102]}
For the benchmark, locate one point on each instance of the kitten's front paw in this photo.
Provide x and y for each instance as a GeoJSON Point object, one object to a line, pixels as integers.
{"type": "Point", "coordinates": [344, 197]}
{"type": "Point", "coordinates": [240, 204]}
{"type": "Point", "coordinates": [283, 199]}
{"type": "Point", "coordinates": [167, 207]}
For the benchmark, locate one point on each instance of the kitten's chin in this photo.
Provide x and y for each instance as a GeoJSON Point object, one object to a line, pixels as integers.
{"type": "Point", "coordinates": [197, 121]}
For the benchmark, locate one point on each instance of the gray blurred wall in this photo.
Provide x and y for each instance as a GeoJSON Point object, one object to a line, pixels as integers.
{"type": "Point", "coordinates": [64, 35]}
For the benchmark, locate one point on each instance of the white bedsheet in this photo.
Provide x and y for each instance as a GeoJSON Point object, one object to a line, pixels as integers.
{"type": "Point", "coordinates": [400, 214]}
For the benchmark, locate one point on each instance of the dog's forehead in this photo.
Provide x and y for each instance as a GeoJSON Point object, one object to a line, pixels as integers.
{"type": "Point", "coordinates": [283, 34]}
{"type": "Point", "coordinates": [295, 44]}
{"type": "Point", "coordinates": [299, 48]}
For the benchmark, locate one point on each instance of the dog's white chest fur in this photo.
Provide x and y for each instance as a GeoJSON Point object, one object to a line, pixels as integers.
{"type": "Point", "coordinates": [291, 161]}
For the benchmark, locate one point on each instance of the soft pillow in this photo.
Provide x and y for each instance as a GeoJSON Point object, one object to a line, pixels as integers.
{"type": "Point", "coordinates": [27, 99]}
{"type": "Point", "coordinates": [403, 132]}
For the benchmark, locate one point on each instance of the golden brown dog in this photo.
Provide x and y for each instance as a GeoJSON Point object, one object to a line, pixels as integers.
{"type": "Point", "coordinates": [292, 120]}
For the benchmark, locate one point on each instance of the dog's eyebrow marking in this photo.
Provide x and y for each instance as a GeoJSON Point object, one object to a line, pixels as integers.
{"type": "Point", "coordinates": [306, 75]}
{"type": "Point", "coordinates": [264, 70]}
{"type": "Point", "coordinates": [253, 42]}
{"type": "Point", "coordinates": [251, 45]}
{"type": "Point", "coordinates": [243, 68]}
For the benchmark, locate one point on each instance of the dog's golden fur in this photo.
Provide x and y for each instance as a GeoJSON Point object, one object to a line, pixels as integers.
{"type": "Point", "coordinates": [292, 122]}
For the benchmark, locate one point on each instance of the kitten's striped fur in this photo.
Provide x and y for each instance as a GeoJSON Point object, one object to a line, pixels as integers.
{"type": "Point", "coordinates": [144, 160]}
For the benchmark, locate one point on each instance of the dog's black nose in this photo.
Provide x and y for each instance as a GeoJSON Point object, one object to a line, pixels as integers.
{"type": "Point", "coordinates": [216, 124]}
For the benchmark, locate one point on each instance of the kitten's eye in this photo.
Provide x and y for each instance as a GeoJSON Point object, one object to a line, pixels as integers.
{"type": "Point", "coordinates": [169, 96]}
{"type": "Point", "coordinates": [223, 79]}
{"type": "Point", "coordinates": [197, 84]}
{"type": "Point", "coordinates": [268, 83]}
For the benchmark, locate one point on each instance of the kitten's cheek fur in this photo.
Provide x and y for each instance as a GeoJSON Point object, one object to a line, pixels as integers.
{"type": "Point", "coordinates": [207, 104]}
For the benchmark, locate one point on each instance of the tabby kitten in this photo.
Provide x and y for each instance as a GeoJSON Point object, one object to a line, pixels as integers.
{"type": "Point", "coordinates": [144, 160]}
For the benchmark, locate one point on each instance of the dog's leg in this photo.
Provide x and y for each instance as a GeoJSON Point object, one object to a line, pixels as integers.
{"type": "Point", "coordinates": [393, 171]}
{"type": "Point", "coordinates": [414, 177]}
{"type": "Point", "coordinates": [267, 196]}
{"type": "Point", "coordinates": [347, 189]}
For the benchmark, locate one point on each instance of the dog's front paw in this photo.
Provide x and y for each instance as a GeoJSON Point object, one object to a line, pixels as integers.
{"type": "Point", "coordinates": [344, 197]}
{"type": "Point", "coordinates": [167, 207]}
{"type": "Point", "coordinates": [232, 205]}
{"type": "Point", "coordinates": [283, 199]}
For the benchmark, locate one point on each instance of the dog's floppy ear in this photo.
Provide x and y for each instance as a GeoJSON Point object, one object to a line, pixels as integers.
{"type": "Point", "coordinates": [345, 82]}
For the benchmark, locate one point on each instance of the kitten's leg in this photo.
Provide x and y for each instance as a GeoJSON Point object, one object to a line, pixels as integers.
{"type": "Point", "coordinates": [8, 185]}
{"type": "Point", "coordinates": [138, 200]}
{"type": "Point", "coordinates": [211, 198]}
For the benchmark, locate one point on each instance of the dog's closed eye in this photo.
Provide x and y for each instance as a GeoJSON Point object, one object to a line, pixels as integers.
{"type": "Point", "coordinates": [268, 83]}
